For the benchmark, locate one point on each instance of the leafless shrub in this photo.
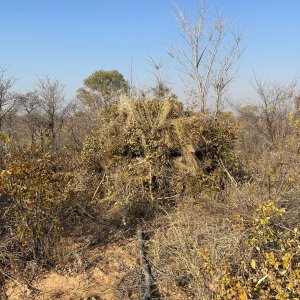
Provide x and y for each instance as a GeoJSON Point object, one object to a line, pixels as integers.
{"type": "Point", "coordinates": [52, 107]}
{"type": "Point", "coordinates": [268, 125]}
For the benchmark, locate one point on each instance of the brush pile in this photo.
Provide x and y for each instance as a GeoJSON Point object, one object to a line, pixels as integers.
{"type": "Point", "coordinates": [147, 154]}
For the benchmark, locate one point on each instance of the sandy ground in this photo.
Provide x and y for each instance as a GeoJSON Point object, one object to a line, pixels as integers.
{"type": "Point", "coordinates": [109, 266]}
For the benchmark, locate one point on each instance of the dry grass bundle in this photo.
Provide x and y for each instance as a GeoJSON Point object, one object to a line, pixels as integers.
{"type": "Point", "coordinates": [148, 153]}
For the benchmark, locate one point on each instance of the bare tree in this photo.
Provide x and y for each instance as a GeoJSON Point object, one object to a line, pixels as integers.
{"type": "Point", "coordinates": [276, 102]}
{"type": "Point", "coordinates": [204, 58]}
{"type": "Point", "coordinates": [225, 70]}
{"type": "Point", "coordinates": [7, 96]}
{"type": "Point", "coordinates": [160, 89]}
{"type": "Point", "coordinates": [80, 122]}
{"type": "Point", "coordinates": [52, 106]}
{"type": "Point", "coordinates": [29, 107]}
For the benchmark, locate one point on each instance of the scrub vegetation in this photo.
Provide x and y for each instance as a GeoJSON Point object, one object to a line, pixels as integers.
{"type": "Point", "coordinates": [153, 198]}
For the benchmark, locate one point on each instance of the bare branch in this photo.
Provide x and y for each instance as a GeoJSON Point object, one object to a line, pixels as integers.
{"type": "Point", "coordinates": [52, 106]}
{"type": "Point", "coordinates": [7, 96]}
{"type": "Point", "coordinates": [204, 58]}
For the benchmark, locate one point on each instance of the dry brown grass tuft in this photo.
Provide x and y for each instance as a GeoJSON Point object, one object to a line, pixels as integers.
{"type": "Point", "coordinates": [182, 251]}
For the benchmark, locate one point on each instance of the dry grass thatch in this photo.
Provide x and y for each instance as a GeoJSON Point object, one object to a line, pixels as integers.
{"type": "Point", "coordinates": [150, 152]}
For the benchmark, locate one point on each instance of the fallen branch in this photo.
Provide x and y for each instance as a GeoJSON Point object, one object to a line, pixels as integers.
{"type": "Point", "coordinates": [144, 264]}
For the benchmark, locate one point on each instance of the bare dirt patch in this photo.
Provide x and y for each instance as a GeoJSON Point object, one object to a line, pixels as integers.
{"type": "Point", "coordinates": [108, 265]}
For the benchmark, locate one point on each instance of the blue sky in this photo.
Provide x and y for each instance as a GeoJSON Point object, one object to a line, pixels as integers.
{"type": "Point", "coordinates": [71, 39]}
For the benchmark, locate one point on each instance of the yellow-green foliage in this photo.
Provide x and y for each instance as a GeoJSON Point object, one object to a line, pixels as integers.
{"type": "Point", "coordinates": [34, 191]}
{"type": "Point", "coordinates": [273, 269]}
{"type": "Point", "coordinates": [4, 138]}
{"type": "Point", "coordinates": [145, 150]}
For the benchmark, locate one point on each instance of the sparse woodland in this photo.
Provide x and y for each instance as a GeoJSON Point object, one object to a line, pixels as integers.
{"type": "Point", "coordinates": [204, 203]}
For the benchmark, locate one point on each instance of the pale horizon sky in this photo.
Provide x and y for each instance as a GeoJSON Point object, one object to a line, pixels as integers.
{"type": "Point", "coordinates": [69, 40]}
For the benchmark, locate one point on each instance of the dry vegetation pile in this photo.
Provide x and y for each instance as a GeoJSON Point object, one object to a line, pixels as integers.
{"type": "Point", "coordinates": [151, 153]}
{"type": "Point", "coordinates": [217, 203]}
